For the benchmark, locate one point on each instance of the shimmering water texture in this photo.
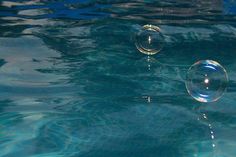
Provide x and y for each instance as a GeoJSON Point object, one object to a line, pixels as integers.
{"type": "Point", "coordinates": [73, 83]}
{"type": "Point", "coordinates": [149, 39]}
{"type": "Point", "coordinates": [206, 81]}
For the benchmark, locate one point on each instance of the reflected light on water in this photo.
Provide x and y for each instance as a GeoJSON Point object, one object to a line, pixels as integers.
{"type": "Point", "coordinates": [212, 134]}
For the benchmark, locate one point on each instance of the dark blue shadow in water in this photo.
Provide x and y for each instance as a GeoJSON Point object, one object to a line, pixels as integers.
{"type": "Point", "coordinates": [230, 7]}
{"type": "Point", "coordinates": [82, 9]}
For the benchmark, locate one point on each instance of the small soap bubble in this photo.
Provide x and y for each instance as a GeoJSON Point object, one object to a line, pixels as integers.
{"type": "Point", "coordinates": [206, 81]}
{"type": "Point", "coordinates": [149, 39]}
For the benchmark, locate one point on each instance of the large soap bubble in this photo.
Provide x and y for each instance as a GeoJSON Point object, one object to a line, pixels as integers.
{"type": "Point", "coordinates": [206, 81]}
{"type": "Point", "coordinates": [149, 40]}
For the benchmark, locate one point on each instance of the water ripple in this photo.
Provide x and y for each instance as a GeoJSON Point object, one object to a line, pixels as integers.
{"type": "Point", "coordinates": [73, 84]}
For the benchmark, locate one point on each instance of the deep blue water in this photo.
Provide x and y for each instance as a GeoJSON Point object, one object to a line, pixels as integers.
{"type": "Point", "coordinates": [73, 84]}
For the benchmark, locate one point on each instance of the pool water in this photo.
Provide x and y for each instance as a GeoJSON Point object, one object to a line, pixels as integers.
{"type": "Point", "coordinates": [73, 84]}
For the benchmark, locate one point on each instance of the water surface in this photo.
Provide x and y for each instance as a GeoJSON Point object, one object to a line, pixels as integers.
{"type": "Point", "coordinates": [73, 84]}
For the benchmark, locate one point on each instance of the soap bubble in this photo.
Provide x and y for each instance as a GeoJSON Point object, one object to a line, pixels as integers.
{"type": "Point", "coordinates": [149, 40]}
{"type": "Point", "coordinates": [206, 81]}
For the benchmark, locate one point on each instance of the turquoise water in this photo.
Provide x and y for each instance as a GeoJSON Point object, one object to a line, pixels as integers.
{"type": "Point", "coordinates": [73, 84]}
